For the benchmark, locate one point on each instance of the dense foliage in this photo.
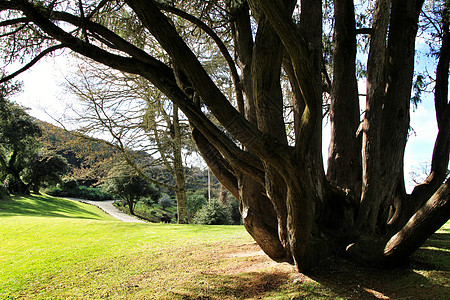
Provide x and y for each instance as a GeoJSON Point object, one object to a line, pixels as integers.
{"type": "Point", "coordinates": [130, 188]}
{"type": "Point", "coordinates": [213, 213]}
{"type": "Point", "coordinates": [24, 164]}
{"type": "Point", "coordinates": [71, 188]}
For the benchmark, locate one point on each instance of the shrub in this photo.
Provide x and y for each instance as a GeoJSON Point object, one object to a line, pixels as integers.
{"type": "Point", "coordinates": [69, 184]}
{"type": "Point", "coordinates": [4, 193]}
{"type": "Point", "coordinates": [71, 188]}
{"type": "Point", "coordinates": [195, 203]}
{"type": "Point", "coordinates": [213, 213]}
{"type": "Point", "coordinates": [165, 201]}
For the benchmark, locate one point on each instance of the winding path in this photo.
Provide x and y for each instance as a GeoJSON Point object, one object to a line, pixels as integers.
{"type": "Point", "coordinates": [108, 207]}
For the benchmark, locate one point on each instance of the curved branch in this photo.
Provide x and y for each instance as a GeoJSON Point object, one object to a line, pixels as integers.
{"type": "Point", "coordinates": [219, 166]}
{"type": "Point", "coordinates": [112, 40]}
{"type": "Point", "coordinates": [298, 49]}
{"type": "Point", "coordinates": [13, 22]}
{"type": "Point", "coordinates": [223, 49]}
{"type": "Point", "coordinates": [31, 63]}
{"type": "Point", "coordinates": [422, 225]}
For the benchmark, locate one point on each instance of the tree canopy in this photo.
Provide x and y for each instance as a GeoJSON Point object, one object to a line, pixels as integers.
{"type": "Point", "coordinates": [288, 62]}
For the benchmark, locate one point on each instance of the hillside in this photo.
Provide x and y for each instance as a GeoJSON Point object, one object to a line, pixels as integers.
{"type": "Point", "coordinates": [91, 160]}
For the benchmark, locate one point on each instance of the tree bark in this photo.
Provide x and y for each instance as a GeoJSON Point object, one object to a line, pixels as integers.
{"type": "Point", "coordinates": [371, 126]}
{"type": "Point", "coordinates": [427, 220]}
{"type": "Point", "coordinates": [344, 152]}
{"type": "Point", "coordinates": [179, 170]}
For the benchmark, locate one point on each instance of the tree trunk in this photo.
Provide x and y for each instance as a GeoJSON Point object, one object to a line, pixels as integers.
{"type": "Point", "coordinates": [223, 196]}
{"type": "Point", "coordinates": [131, 203]}
{"type": "Point", "coordinates": [371, 131]}
{"type": "Point", "coordinates": [344, 153]}
{"type": "Point", "coordinates": [179, 170]}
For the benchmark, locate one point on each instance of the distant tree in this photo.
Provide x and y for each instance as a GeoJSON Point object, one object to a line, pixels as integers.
{"type": "Point", "coordinates": [129, 187]}
{"type": "Point", "coordinates": [89, 160]}
{"type": "Point", "coordinates": [213, 213]}
{"type": "Point", "coordinates": [45, 168]}
{"type": "Point", "coordinates": [18, 144]}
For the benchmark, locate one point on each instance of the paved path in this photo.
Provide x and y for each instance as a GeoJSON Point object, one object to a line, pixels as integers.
{"type": "Point", "coordinates": [108, 207]}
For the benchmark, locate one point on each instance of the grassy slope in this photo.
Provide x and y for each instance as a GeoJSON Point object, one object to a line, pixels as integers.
{"type": "Point", "coordinates": [57, 249]}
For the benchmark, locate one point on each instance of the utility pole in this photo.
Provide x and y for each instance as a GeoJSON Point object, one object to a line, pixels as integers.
{"type": "Point", "coordinates": [209, 185]}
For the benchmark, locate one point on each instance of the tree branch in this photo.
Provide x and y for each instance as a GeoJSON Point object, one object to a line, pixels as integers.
{"type": "Point", "coordinates": [421, 226]}
{"type": "Point", "coordinates": [31, 63]}
{"type": "Point", "coordinates": [363, 31]}
{"type": "Point", "coordinates": [223, 49]}
{"type": "Point", "coordinates": [298, 50]}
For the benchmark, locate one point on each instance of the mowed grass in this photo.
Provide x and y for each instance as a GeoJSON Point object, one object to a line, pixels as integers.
{"type": "Point", "coordinates": [58, 249]}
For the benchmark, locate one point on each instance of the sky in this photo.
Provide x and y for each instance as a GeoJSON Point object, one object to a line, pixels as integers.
{"type": "Point", "coordinates": [44, 95]}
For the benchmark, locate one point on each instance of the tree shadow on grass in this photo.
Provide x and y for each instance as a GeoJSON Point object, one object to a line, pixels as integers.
{"type": "Point", "coordinates": [426, 277]}
{"type": "Point", "coordinates": [44, 206]}
{"type": "Point", "coordinates": [254, 285]}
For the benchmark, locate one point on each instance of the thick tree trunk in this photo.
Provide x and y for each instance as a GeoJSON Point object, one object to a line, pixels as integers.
{"type": "Point", "coordinates": [344, 153]}
{"type": "Point", "coordinates": [260, 218]}
{"type": "Point", "coordinates": [371, 126]}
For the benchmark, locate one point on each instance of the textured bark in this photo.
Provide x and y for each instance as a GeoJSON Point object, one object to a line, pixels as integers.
{"type": "Point", "coordinates": [396, 111]}
{"type": "Point", "coordinates": [371, 126]}
{"type": "Point", "coordinates": [260, 219]}
{"type": "Point", "coordinates": [344, 153]}
{"type": "Point", "coordinates": [441, 151]}
{"type": "Point", "coordinates": [429, 218]}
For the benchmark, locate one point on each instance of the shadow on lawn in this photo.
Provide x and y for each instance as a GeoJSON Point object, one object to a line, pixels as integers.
{"type": "Point", "coordinates": [426, 277]}
{"type": "Point", "coordinates": [43, 206]}
{"type": "Point", "coordinates": [252, 285]}
{"type": "Point", "coordinates": [354, 282]}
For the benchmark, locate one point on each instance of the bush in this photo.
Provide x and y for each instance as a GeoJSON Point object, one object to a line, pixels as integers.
{"type": "Point", "coordinates": [195, 203]}
{"type": "Point", "coordinates": [69, 184]}
{"type": "Point", "coordinates": [213, 213]}
{"type": "Point", "coordinates": [14, 185]}
{"type": "Point", "coordinates": [4, 193]}
{"type": "Point", "coordinates": [71, 188]}
{"type": "Point", "coordinates": [165, 201]}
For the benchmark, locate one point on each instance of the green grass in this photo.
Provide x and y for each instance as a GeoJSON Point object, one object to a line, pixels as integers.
{"type": "Point", "coordinates": [58, 249]}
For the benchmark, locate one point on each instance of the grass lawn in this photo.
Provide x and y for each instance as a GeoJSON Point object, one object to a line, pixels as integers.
{"type": "Point", "coordinates": [58, 249]}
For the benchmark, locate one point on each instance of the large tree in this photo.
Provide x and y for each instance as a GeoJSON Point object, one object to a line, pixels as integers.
{"type": "Point", "coordinates": [295, 210]}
